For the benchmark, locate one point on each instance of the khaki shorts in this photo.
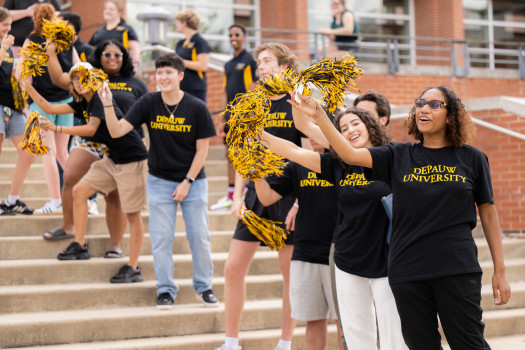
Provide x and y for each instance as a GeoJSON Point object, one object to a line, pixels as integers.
{"type": "Point", "coordinates": [105, 176]}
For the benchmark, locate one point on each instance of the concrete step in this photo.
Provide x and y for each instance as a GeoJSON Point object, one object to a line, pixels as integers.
{"type": "Point", "coordinates": [516, 301]}
{"type": "Point", "coordinates": [64, 327]}
{"type": "Point", "coordinates": [24, 225]}
{"type": "Point", "coordinates": [38, 188]}
{"type": "Point", "coordinates": [89, 296]}
{"type": "Point", "coordinates": [99, 270]}
{"type": "Point", "coordinates": [250, 340]}
{"type": "Point", "coordinates": [513, 270]}
{"type": "Point", "coordinates": [511, 342]}
{"type": "Point", "coordinates": [17, 248]}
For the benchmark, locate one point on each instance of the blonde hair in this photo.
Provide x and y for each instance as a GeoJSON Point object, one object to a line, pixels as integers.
{"type": "Point", "coordinates": [42, 11]}
{"type": "Point", "coordinates": [282, 52]}
{"type": "Point", "coordinates": [4, 14]}
{"type": "Point", "coordinates": [190, 17]}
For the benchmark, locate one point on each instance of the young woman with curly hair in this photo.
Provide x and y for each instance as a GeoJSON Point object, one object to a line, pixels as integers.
{"type": "Point", "coordinates": [437, 184]}
{"type": "Point", "coordinates": [360, 236]}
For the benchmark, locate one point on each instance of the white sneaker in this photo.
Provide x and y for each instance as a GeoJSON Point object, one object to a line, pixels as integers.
{"type": "Point", "coordinates": [222, 203]}
{"type": "Point", "coordinates": [49, 209]}
{"type": "Point", "coordinates": [92, 207]}
{"type": "Point", "coordinates": [224, 347]}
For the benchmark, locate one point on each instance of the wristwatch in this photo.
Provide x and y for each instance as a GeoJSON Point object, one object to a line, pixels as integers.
{"type": "Point", "coordinates": [189, 179]}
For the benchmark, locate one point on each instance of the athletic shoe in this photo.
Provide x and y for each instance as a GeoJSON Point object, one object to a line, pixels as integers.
{"type": "Point", "coordinates": [127, 274]}
{"type": "Point", "coordinates": [224, 347]}
{"type": "Point", "coordinates": [5, 210]}
{"type": "Point", "coordinates": [92, 207]}
{"type": "Point", "coordinates": [208, 298]}
{"type": "Point", "coordinates": [164, 301]}
{"type": "Point", "coordinates": [49, 209]}
{"type": "Point", "coordinates": [20, 208]}
{"type": "Point", "coordinates": [74, 251]}
{"type": "Point", "coordinates": [222, 203]}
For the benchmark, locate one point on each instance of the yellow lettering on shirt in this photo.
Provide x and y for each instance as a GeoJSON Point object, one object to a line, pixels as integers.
{"type": "Point", "coordinates": [119, 86]}
{"type": "Point", "coordinates": [433, 174]}
{"type": "Point", "coordinates": [354, 180]}
{"type": "Point", "coordinates": [312, 181]}
{"type": "Point", "coordinates": [170, 124]}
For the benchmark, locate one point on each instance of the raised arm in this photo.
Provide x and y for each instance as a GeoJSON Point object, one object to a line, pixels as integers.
{"type": "Point", "coordinates": [490, 222]}
{"type": "Point", "coordinates": [303, 123]}
{"type": "Point", "coordinates": [344, 149]}
{"type": "Point", "coordinates": [58, 77]}
{"type": "Point", "coordinates": [307, 158]}
{"type": "Point", "coordinates": [117, 128]}
{"type": "Point", "coordinates": [62, 108]}
{"type": "Point", "coordinates": [266, 195]}
{"type": "Point", "coordinates": [17, 15]}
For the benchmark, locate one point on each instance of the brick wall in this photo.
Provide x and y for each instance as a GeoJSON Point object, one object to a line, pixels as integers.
{"type": "Point", "coordinates": [91, 12]}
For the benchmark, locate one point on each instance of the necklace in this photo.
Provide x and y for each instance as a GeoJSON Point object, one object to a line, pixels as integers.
{"type": "Point", "coordinates": [174, 109]}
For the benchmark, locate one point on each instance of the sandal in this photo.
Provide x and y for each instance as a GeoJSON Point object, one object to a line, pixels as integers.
{"type": "Point", "coordinates": [56, 234]}
{"type": "Point", "coordinates": [114, 253]}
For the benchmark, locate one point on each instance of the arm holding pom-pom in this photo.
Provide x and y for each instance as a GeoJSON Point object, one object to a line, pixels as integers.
{"type": "Point", "coordinates": [344, 149]}
{"type": "Point", "coordinates": [58, 77]}
{"type": "Point", "coordinates": [304, 124]}
{"type": "Point", "coordinates": [238, 203]}
{"type": "Point", "coordinates": [267, 196]}
{"type": "Point", "coordinates": [117, 128]}
{"type": "Point", "coordinates": [62, 108]}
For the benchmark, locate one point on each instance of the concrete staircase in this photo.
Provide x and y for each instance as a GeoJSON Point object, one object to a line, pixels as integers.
{"type": "Point", "coordinates": [51, 304]}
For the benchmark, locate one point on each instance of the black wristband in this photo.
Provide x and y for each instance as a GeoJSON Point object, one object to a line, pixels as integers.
{"type": "Point", "coordinates": [189, 179]}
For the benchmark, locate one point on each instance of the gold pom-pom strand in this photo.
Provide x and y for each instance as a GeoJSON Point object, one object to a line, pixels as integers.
{"type": "Point", "coordinates": [33, 59]}
{"type": "Point", "coordinates": [332, 78]}
{"type": "Point", "coordinates": [19, 96]}
{"type": "Point", "coordinates": [90, 78]}
{"type": "Point", "coordinates": [32, 142]}
{"type": "Point", "coordinates": [267, 231]}
{"type": "Point", "coordinates": [59, 32]}
{"type": "Point", "coordinates": [278, 84]}
{"type": "Point", "coordinates": [253, 161]}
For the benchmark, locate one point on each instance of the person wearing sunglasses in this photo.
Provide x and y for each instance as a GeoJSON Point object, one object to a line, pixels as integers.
{"type": "Point", "coordinates": [239, 77]}
{"type": "Point", "coordinates": [196, 54]}
{"type": "Point", "coordinates": [437, 183]}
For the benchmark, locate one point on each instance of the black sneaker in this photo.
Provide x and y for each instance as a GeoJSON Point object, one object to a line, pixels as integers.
{"type": "Point", "coordinates": [164, 301]}
{"type": "Point", "coordinates": [127, 274]}
{"type": "Point", "coordinates": [208, 298]}
{"type": "Point", "coordinates": [74, 251]}
{"type": "Point", "coordinates": [5, 210]}
{"type": "Point", "coordinates": [20, 208]}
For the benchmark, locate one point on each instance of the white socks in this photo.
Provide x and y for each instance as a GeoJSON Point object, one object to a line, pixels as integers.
{"type": "Point", "coordinates": [231, 343]}
{"type": "Point", "coordinates": [284, 345]}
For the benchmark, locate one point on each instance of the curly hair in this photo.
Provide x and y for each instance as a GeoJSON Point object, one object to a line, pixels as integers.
{"type": "Point", "coordinates": [282, 52]}
{"type": "Point", "coordinates": [126, 70]}
{"type": "Point", "coordinates": [42, 11]}
{"type": "Point", "coordinates": [459, 128]}
{"type": "Point", "coordinates": [377, 132]}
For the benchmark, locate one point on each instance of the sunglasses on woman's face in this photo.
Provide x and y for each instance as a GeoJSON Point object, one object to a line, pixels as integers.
{"type": "Point", "coordinates": [109, 55]}
{"type": "Point", "coordinates": [433, 104]}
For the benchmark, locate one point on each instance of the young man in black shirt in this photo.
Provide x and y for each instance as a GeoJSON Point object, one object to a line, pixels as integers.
{"type": "Point", "coordinates": [179, 126]}
{"type": "Point", "coordinates": [239, 77]}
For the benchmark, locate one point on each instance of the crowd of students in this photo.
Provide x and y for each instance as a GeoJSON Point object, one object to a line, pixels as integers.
{"type": "Point", "coordinates": [340, 168]}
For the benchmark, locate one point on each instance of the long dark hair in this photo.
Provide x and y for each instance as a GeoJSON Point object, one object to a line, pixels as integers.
{"type": "Point", "coordinates": [377, 132]}
{"type": "Point", "coordinates": [126, 70]}
{"type": "Point", "coordinates": [460, 127]}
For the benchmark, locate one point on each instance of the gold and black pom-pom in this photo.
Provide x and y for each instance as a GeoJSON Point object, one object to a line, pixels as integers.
{"type": "Point", "coordinates": [33, 59]}
{"type": "Point", "coordinates": [91, 78]}
{"type": "Point", "coordinates": [267, 231]}
{"type": "Point", "coordinates": [32, 142]}
{"type": "Point", "coordinates": [19, 96]}
{"type": "Point", "coordinates": [59, 32]}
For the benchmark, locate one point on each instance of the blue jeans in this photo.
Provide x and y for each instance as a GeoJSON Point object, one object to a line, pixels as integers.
{"type": "Point", "coordinates": [162, 218]}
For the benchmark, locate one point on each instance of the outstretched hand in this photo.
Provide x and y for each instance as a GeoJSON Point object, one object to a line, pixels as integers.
{"type": "Point", "coordinates": [105, 95]}
{"type": "Point", "coordinates": [308, 105]}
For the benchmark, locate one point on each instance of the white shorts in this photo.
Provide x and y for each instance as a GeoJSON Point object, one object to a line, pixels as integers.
{"type": "Point", "coordinates": [311, 291]}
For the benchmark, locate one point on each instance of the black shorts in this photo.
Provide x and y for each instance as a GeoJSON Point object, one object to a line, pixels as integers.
{"type": "Point", "coordinates": [277, 212]}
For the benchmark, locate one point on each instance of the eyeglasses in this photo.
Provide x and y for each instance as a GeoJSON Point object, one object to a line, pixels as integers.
{"type": "Point", "coordinates": [235, 34]}
{"type": "Point", "coordinates": [433, 104]}
{"type": "Point", "coordinates": [108, 55]}
{"type": "Point", "coordinates": [76, 80]}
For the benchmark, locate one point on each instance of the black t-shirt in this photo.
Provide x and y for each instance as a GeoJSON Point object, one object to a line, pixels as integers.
{"type": "Point", "coordinates": [360, 243]}
{"type": "Point", "coordinates": [316, 218]}
{"type": "Point", "coordinates": [173, 143]}
{"type": "Point", "coordinates": [434, 207]}
{"type": "Point", "coordinates": [239, 73]}
{"type": "Point", "coordinates": [279, 121]}
{"type": "Point", "coordinates": [123, 150]}
{"type": "Point", "coordinates": [20, 29]}
{"type": "Point", "coordinates": [43, 84]}
{"type": "Point", "coordinates": [6, 91]}
{"type": "Point", "coordinates": [85, 51]}
{"type": "Point", "coordinates": [122, 32]}
{"type": "Point", "coordinates": [193, 80]}
{"type": "Point", "coordinates": [126, 91]}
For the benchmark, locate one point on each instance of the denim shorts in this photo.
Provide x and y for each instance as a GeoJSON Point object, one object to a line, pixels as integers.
{"type": "Point", "coordinates": [12, 125]}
